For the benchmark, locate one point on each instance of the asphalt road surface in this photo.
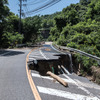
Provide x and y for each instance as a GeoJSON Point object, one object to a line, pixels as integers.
{"type": "Point", "coordinates": [80, 88]}
{"type": "Point", "coordinates": [14, 84]}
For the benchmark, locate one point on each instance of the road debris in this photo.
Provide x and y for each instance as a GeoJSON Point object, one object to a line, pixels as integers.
{"type": "Point", "coordinates": [58, 78]}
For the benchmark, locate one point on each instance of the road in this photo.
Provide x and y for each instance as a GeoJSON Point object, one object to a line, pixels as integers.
{"type": "Point", "coordinates": [14, 84]}
{"type": "Point", "coordinates": [80, 88]}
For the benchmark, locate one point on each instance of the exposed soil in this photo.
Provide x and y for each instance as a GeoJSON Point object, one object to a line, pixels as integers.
{"type": "Point", "coordinates": [44, 66]}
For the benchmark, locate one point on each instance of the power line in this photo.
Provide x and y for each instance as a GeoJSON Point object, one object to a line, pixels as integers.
{"type": "Point", "coordinates": [37, 2]}
{"type": "Point", "coordinates": [43, 7]}
{"type": "Point", "coordinates": [45, 4]}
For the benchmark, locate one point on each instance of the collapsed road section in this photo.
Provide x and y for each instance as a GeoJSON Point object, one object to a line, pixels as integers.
{"type": "Point", "coordinates": [47, 59]}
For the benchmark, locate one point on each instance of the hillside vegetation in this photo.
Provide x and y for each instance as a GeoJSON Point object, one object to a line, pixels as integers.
{"type": "Point", "coordinates": [78, 26]}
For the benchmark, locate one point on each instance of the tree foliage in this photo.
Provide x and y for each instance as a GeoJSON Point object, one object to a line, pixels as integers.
{"type": "Point", "coordinates": [79, 26]}
{"type": "Point", "coordinates": [31, 27]}
{"type": "Point", "coordinates": [11, 39]}
{"type": "Point", "coordinates": [4, 12]}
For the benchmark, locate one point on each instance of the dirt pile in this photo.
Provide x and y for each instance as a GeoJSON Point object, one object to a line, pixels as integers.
{"type": "Point", "coordinates": [96, 74]}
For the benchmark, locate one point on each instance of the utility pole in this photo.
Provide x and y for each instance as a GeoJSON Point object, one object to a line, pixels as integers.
{"type": "Point", "coordinates": [20, 15]}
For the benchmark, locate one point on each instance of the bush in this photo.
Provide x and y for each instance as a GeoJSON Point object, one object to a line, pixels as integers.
{"type": "Point", "coordinates": [85, 62]}
{"type": "Point", "coordinates": [72, 45]}
{"type": "Point", "coordinates": [11, 39]}
{"type": "Point", "coordinates": [61, 40]}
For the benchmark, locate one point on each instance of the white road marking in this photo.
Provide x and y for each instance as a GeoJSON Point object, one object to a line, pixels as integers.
{"type": "Point", "coordinates": [77, 84]}
{"type": "Point", "coordinates": [36, 57]}
{"type": "Point", "coordinates": [36, 54]}
{"type": "Point", "coordinates": [49, 78]}
{"type": "Point", "coordinates": [93, 86]}
{"type": "Point", "coordinates": [43, 55]}
{"type": "Point", "coordinates": [65, 94]}
{"type": "Point", "coordinates": [4, 53]}
{"type": "Point", "coordinates": [69, 80]}
{"type": "Point", "coordinates": [39, 76]}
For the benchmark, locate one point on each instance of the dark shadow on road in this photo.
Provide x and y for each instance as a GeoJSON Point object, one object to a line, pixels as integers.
{"type": "Point", "coordinates": [10, 53]}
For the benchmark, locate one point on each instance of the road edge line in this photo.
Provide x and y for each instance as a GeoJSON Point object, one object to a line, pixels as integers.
{"type": "Point", "coordinates": [31, 82]}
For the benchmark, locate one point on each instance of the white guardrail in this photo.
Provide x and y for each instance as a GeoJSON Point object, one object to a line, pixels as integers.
{"type": "Point", "coordinates": [78, 51]}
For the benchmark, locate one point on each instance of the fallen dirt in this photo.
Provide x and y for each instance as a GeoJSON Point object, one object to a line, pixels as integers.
{"type": "Point", "coordinates": [96, 74]}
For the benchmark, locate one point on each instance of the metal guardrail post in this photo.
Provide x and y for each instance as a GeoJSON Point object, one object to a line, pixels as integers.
{"type": "Point", "coordinates": [79, 51]}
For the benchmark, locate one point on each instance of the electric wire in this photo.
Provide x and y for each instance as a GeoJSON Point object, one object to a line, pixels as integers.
{"type": "Point", "coordinates": [44, 5]}
{"type": "Point", "coordinates": [33, 3]}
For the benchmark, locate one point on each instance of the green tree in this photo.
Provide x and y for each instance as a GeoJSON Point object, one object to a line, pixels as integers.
{"type": "Point", "coordinates": [93, 10]}
{"type": "Point", "coordinates": [4, 12]}
{"type": "Point", "coordinates": [85, 2]}
{"type": "Point", "coordinates": [60, 23]}
{"type": "Point", "coordinates": [31, 27]}
{"type": "Point", "coordinates": [12, 22]}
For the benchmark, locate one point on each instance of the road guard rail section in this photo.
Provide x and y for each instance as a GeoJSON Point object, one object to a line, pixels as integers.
{"type": "Point", "coordinates": [63, 48]}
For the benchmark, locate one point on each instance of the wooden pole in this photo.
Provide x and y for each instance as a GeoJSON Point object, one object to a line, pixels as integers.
{"type": "Point", "coordinates": [58, 78]}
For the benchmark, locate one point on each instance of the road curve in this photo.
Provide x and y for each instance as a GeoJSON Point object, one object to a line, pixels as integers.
{"type": "Point", "coordinates": [14, 84]}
